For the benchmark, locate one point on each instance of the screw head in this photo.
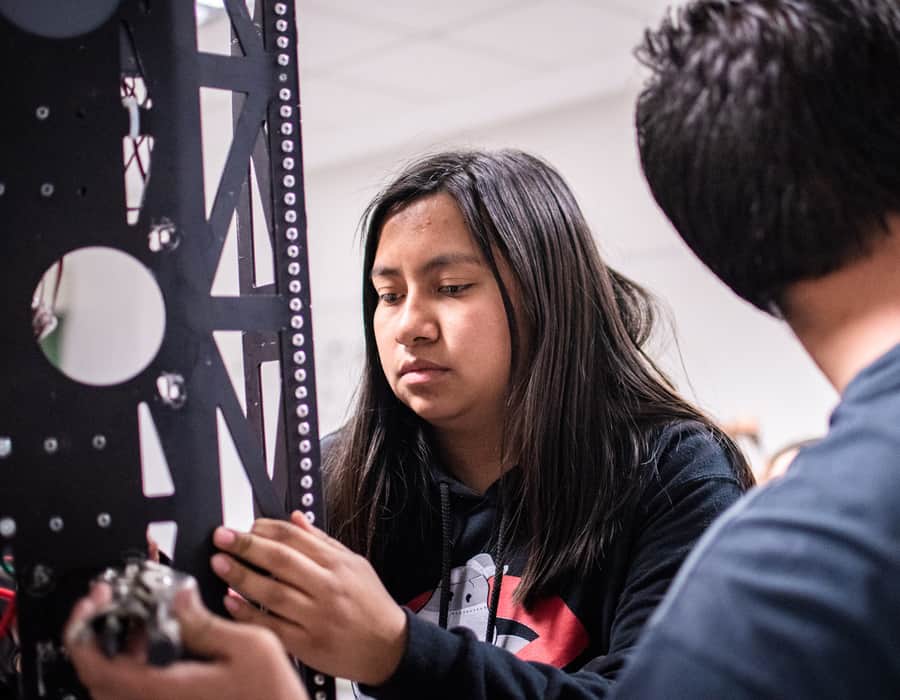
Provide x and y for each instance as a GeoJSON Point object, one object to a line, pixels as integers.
{"type": "Point", "coordinates": [51, 445]}
{"type": "Point", "coordinates": [104, 519]}
{"type": "Point", "coordinates": [42, 112]}
{"type": "Point", "coordinates": [41, 578]}
{"type": "Point", "coordinates": [47, 189]}
{"type": "Point", "coordinates": [172, 389]}
{"type": "Point", "coordinates": [5, 447]}
{"type": "Point", "coordinates": [163, 237]}
{"type": "Point", "coordinates": [7, 527]}
{"type": "Point", "coordinates": [56, 523]}
{"type": "Point", "coordinates": [99, 442]}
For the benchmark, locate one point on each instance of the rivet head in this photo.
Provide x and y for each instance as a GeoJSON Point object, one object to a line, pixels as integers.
{"type": "Point", "coordinates": [172, 389]}
{"type": "Point", "coordinates": [56, 523]}
{"type": "Point", "coordinates": [42, 112]}
{"type": "Point", "coordinates": [99, 442]}
{"type": "Point", "coordinates": [7, 527]}
{"type": "Point", "coordinates": [51, 445]}
{"type": "Point", "coordinates": [163, 237]}
{"type": "Point", "coordinates": [104, 519]}
{"type": "Point", "coordinates": [5, 447]}
{"type": "Point", "coordinates": [47, 189]}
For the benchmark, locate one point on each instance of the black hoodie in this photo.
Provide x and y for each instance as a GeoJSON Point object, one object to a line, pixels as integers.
{"type": "Point", "coordinates": [570, 644]}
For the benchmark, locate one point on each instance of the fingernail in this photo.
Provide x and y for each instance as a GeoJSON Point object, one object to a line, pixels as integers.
{"type": "Point", "coordinates": [223, 537]}
{"type": "Point", "coordinates": [220, 564]}
{"type": "Point", "coordinates": [231, 604]}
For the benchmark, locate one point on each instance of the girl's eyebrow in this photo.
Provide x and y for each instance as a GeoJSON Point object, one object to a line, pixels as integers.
{"type": "Point", "coordinates": [434, 263]}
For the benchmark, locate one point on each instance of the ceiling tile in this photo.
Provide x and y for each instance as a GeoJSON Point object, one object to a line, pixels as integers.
{"type": "Point", "coordinates": [435, 70]}
{"type": "Point", "coordinates": [327, 41]}
{"type": "Point", "coordinates": [554, 33]}
{"type": "Point", "coordinates": [417, 15]}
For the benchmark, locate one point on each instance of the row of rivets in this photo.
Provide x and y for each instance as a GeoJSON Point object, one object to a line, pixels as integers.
{"type": "Point", "coordinates": [289, 181]}
{"type": "Point", "coordinates": [50, 445]}
{"type": "Point", "coordinates": [56, 524]}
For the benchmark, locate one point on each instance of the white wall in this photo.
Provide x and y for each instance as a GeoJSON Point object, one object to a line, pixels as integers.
{"type": "Point", "coordinates": [738, 361]}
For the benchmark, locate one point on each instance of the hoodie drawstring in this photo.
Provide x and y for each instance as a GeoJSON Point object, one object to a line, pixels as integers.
{"type": "Point", "coordinates": [445, 555]}
{"type": "Point", "coordinates": [498, 557]}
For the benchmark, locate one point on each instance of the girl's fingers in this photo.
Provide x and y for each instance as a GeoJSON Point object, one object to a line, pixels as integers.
{"type": "Point", "coordinates": [292, 634]}
{"type": "Point", "coordinates": [300, 535]}
{"type": "Point", "coordinates": [284, 562]}
{"type": "Point", "coordinates": [278, 596]}
{"type": "Point", "coordinates": [298, 519]}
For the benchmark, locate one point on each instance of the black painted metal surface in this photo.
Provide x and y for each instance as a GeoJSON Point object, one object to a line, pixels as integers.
{"type": "Point", "coordinates": [69, 506]}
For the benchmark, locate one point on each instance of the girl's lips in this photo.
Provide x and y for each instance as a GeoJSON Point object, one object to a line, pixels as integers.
{"type": "Point", "coordinates": [423, 375]}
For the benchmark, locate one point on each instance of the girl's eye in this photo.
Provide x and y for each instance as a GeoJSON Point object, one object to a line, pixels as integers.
{"type": "Point", "coordinates": [453, 289]}
{"type": "Point", "coordinates": [388, 298]}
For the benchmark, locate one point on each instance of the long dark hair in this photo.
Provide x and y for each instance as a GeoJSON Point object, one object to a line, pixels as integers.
{"type": "Point", "coordinates": [584, 401]}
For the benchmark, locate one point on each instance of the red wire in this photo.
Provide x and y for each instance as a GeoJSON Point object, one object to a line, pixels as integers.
{"type": "Point", "coordinates": [7, 594]}
{"type": "Point", "coordinates": [9, 615]}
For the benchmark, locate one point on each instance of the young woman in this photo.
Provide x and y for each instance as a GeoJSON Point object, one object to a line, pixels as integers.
{"type": "Point", "coordinates": [518, 483]}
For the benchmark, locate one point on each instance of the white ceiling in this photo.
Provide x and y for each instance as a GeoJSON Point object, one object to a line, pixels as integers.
{"type": "Point", "coordinates": [376, 75]}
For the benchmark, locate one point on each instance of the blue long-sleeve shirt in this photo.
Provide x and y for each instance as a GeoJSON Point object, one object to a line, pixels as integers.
{"type": "Point", "coordinates": [795, 593]}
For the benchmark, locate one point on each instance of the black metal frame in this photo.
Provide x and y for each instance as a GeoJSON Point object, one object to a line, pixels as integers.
{"type": "Point", "coordinates": [71, 499]}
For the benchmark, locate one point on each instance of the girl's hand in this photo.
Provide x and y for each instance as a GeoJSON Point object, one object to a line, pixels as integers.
{"type": "Point", "coordinates": [325, 603]}
{"type": "Point", "coordinates": [244, 661]}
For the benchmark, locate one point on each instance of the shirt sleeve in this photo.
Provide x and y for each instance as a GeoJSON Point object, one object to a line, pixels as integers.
{"type": "Point", "coordinates": [694, 482]}
{"type": "Point", "coordinates": [792, 594]}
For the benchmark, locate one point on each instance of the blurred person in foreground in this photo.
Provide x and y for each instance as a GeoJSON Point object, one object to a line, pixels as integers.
{"type": "Point", "coordinates": [769, 135]}
{"type": "Point", "coordinates": [239, 661]}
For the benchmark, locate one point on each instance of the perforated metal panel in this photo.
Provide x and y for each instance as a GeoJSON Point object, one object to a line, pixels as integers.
{"type": "Point", "coordinates": [71, 496]}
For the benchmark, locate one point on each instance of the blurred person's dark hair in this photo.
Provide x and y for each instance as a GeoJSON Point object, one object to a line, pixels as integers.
{"type": "Point", "coordinates": [767, 137]}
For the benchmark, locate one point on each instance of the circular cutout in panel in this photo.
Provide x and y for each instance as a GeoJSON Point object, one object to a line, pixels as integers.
{"type": "Point", "coordinates": [57, 20]}
{"type": "Point", "coordinates": [98, 316]}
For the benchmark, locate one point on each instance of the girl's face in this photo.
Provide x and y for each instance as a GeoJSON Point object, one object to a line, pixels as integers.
{"type": "Point", "coordinates": [440, 324]}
